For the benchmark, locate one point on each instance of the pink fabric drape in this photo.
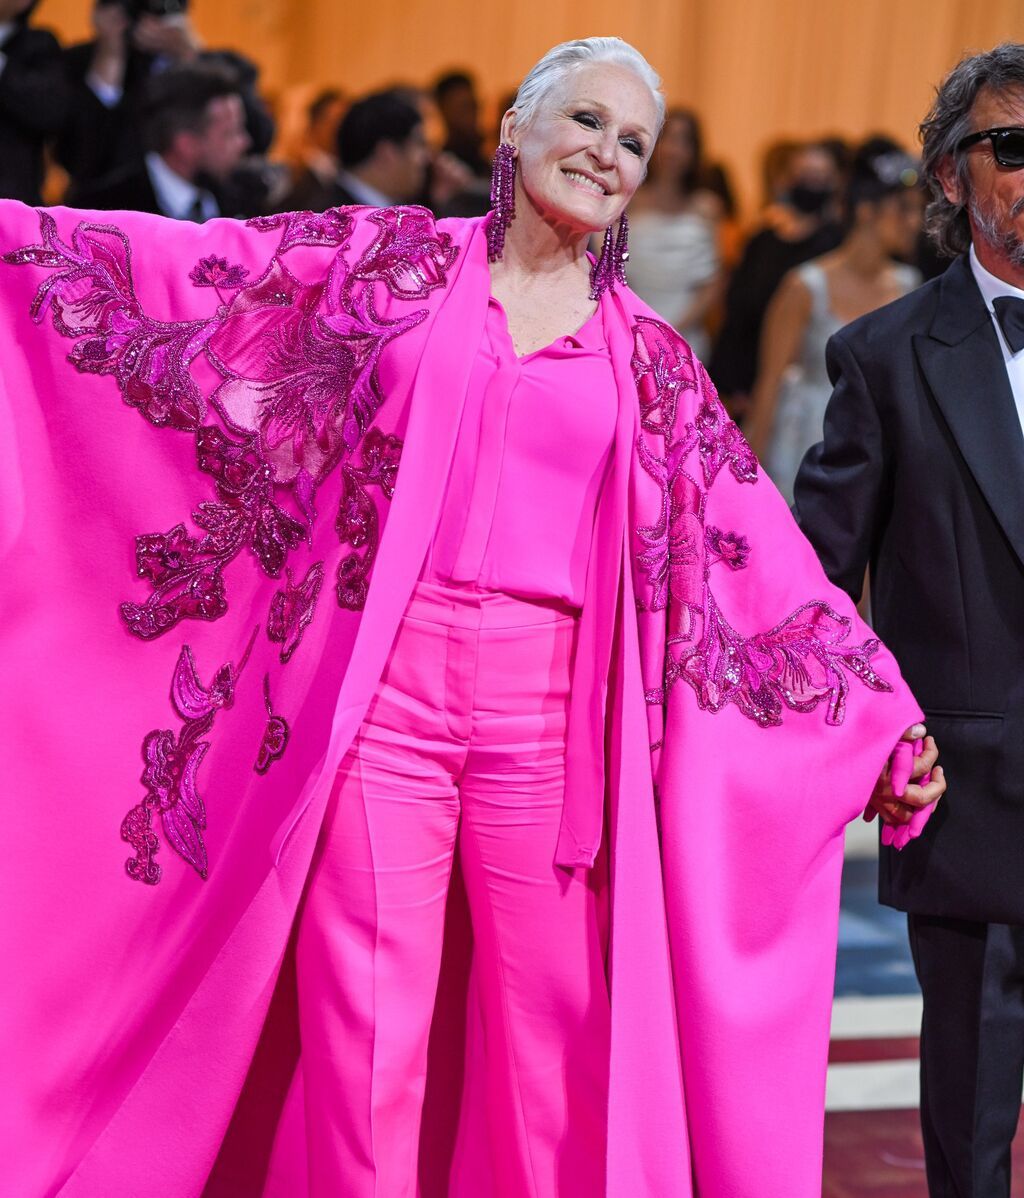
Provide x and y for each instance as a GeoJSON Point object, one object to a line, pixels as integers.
{"type": "Point", "coordinates": [224, 453]}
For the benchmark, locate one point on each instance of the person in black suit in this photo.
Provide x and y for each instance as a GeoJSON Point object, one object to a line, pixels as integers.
{"type": "Point", "coordinates": [921, 476]}
{"type": "Point", "coordinates": [109, 76]}
{"type": "Point", "coordinates": [33, 100]}
{"type": "Point", "coordinates": [195, 128]}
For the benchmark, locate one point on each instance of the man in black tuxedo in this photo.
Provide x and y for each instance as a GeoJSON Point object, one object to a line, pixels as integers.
{"type": "Point", "coordinates": [195, 128]}
{"type": "Point", "coordinates": [921, 476]}
{"type": "Point", "coordinates": [108, 77]}
{"type": "Point", "coordinates": [33, 100]}
{"type": "Point", "coordinates": [385, 159]}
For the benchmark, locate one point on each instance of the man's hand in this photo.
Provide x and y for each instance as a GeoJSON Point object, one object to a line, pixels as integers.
{"type": "Point", "coordinates": [111, 23]}
{"type": "Point", "coordinates": [896, 809]}
{"type": "Point", "coordinates": [171, 37]}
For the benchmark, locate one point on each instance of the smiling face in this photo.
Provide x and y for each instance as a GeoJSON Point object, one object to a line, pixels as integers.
{"type": "Point", "coordinates": [584, 152]}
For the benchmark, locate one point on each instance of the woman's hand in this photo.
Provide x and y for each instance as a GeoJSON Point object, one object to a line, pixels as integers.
{"type": "Point", "coordinates": [926, 786]}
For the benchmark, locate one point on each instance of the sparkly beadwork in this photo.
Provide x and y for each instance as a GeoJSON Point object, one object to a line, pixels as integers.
{"type": "Point", "coordinates": [171, 767]}
{"type": "Point", "coordinates": [801, 662]}
{"type": "Point", "coordinates": [358, 523]}
{"type": "Point", "coordinates": [298, 391]}
{"type": "Point", "coordinates": [292, 609]}
{"type": "Point", "coordinates": [275, 735]}
{"type": "Point", "coordinates": [503, 199]}
{"type": "Point", "coordinates": [609, 271]}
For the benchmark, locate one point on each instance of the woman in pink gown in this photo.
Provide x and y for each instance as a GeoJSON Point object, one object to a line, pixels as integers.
{"type": "Point", "coordinates": [392, 585]}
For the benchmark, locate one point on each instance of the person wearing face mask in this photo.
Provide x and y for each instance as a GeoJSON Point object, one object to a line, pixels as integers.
{"type": "Point", "coordinates": [884, 216]}
{"type": "Point", "coordinates": [465, 698]}
{"type": "Point", "coordinates": [33, 100]}
{"type": "Point", "coordinates": [803, 225]}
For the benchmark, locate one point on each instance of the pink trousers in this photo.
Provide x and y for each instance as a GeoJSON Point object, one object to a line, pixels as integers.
{"type": "Point", "coordinates": [462, 750]}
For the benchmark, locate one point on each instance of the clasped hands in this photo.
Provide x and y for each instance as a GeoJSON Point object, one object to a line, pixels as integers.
{"type": "Point", "coordinates": [896, 800]}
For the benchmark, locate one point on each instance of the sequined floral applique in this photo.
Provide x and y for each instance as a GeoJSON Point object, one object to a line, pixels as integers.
{"type": "Point", "coordinates": [358, 524]}
{"type": "Point", "coordinates": [299, 363]}
{"type": "Point", "coordinates": [275, 735]}
{"type": "Point", "coordinates": [292, 609]}
{"type": "Point", "coordinates": [408, 255]}
{"type": "Point", "coordinates": [802, 662]}
{"type": "Point", "coordinates": [294, 397]}
{"type": "Point", "coordinates": [171, 770]}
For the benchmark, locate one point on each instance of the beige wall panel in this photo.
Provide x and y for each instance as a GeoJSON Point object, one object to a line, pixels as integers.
{"type": "Point", "coordinates": [754, 70]}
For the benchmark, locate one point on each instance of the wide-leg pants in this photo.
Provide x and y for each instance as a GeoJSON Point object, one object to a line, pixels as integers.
{"type": "Point", "coordinates": [465, 735]}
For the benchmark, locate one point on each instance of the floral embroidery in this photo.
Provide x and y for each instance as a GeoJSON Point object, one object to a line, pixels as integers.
{"type": "Point", "coordinates": [358, 524]}
{"type": "Point", "coordinates": [215, 272]}
{"type": "Point", "coordinates": [171, 767]}
{"type": "Point", "coordinates": [91, 298]}
{"type": "Point", "coordinates": [300, 368]}
{"type": "Point", "coordinates": [306, 228]}
{"type": "Point", "coordinates": [187, 572]}
{"type": "Point", "coordinates": [729, 547]}
{"type": "Point", "coordinates": [291, 610]}
{"type": "Point", "coordinates": [800, 663]}
{"type": "Point", "coordinates": [296, 393]}
{"type": "Point", "coordinates": [275, 735]}
{"type": "Point", "coordinates": [408, 255]}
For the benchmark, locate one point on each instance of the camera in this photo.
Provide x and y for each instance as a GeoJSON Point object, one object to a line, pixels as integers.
{"type": "Point", "coordinates": [148, 8]}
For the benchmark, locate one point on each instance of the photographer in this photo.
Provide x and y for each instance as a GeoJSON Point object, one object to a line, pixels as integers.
{"type": "Point", "coordinates": [135, 41]}
{"type": "Point", "coordinates": [194, 128]}
{"type": "Point", "coordinates": [33, 100]}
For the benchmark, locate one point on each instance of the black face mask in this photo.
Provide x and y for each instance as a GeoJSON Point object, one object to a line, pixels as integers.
{"type": "Point", "coordinates": [808, 199]}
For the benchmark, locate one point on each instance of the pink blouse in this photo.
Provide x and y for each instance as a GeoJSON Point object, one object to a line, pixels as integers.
{"type": "Point", "coordinates": [531, 453]}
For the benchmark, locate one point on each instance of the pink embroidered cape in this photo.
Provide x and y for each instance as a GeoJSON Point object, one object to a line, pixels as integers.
{"type": "Point", "coordinates": [223, 447]}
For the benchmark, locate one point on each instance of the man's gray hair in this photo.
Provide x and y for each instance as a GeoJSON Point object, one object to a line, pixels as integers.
{"type": "Point", "coordinates": [569, 56]}
{"type": "Point", "coordinates": [948, 123]}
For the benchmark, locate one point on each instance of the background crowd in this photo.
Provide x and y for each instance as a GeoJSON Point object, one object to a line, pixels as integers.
{"type": "Point", "coordinates": [145, 116]}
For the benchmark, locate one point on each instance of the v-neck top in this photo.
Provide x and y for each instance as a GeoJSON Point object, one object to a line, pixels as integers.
{"type": "Point", "coordinates": [531, 452]}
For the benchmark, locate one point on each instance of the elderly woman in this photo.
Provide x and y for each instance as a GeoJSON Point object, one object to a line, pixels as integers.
{"type": "Point", "coordinates": [475, 567]}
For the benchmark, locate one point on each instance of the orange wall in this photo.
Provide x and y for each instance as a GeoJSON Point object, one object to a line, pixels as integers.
{"type": "Point", "coordinates": [754, 69]}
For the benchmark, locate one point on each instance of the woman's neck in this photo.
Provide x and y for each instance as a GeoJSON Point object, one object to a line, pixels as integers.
{"type": "Point", "coordinates": [536, 246]}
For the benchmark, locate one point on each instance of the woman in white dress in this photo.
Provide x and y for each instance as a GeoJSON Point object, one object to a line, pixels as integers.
{"type": "Point", "coordinates": [884, 207]}
{"type": "Point", "coordinates": [674, 259]}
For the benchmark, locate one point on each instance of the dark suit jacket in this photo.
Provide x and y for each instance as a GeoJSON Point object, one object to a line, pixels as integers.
{"type": "Point", "coordinates": [309, 193]}
{"type": "Point", "coordinates": [128, 190]}
{"type": "Point", "coordinates": [921, 475]}
{"type": "Point", "coordinates": [33, 108]}
{"type": "Point", "coordinates": [98, 141]}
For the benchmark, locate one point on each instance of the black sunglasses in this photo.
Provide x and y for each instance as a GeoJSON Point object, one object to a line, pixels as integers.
{"type": "Point", "coordinates": [1007, 145]}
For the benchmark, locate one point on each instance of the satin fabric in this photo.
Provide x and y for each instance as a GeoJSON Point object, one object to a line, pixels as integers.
{"type": "Point", "coordinates": [518, 511]}
{"type": "Point", "coordinates": [153, 1044]}
{"type": "Point", "coordinates": [464, 739]}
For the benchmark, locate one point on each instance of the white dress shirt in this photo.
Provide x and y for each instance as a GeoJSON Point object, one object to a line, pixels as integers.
{"type": "Point", "coordinates": [177, 196]}
{"type": "Point", "coordinates": [362, 192]}
{"type": "Point", "coordinates": [6, 29]}
{"type": "Point", "coordinates": [992, 288]}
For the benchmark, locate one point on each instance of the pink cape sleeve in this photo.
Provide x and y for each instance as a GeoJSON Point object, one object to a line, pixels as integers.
{"type": "Point", "coordinates": [774, 710]}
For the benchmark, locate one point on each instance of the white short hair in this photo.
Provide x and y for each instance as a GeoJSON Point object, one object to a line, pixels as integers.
{"type": "Point", "coordinates": [561, 60]}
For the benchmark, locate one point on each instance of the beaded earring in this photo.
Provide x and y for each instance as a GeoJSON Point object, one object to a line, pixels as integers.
{"type": "Point", "coordinates": [610, 269]}
{"type": "Point", "coordinates": [503, 199]}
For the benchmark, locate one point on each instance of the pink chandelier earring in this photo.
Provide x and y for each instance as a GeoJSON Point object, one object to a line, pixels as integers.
{"type": "Point", "coordinates": [609, 271]}
{"type": "Point", "coordinates": [503, 199]}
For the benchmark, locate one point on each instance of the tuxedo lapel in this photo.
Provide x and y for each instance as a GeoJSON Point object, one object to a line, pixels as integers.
{"type": "Point", "coordinates": [963, 365]}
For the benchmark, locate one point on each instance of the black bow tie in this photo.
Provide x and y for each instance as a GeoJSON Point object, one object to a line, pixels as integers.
{"type": "Point", "coordinates": [1010, 314]}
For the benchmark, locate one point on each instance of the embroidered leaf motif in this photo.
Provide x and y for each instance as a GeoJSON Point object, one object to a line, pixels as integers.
{"type": "Point", "coordinates": [292, 608]}
{"type": "Point", "coordinates": [171, 767]}
{"type": "Point", "coordinates": [802, 662]}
